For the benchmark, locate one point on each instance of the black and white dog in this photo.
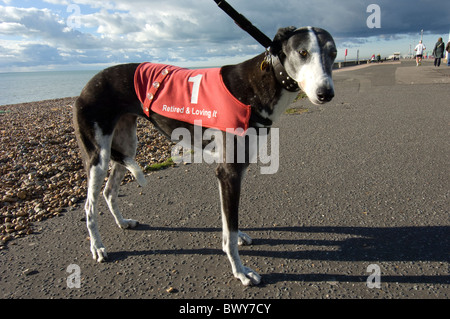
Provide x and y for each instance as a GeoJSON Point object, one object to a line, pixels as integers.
{"type": "Point", "coordinates": [106, 112]}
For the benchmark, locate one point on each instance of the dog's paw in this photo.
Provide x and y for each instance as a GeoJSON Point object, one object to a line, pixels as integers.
{"type": "Point", "coordinates": [244, 239]}
{"type": "Point", "coordinates": [128, 223]}
{"type": "Point", "coordinates": [99, 254]}
{"type": "Point", "coordinates": [248, 277]}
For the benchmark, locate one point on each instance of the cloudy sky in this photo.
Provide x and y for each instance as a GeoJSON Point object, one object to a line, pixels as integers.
{"type": "Point", "coordinates": [92, 34]}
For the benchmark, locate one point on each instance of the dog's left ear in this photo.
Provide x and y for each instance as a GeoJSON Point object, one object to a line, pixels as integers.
{"type": "Point", "coordinates": [282, 35]}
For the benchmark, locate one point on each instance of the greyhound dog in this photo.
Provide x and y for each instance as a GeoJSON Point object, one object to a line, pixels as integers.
{"type": "Point", "coordinates": [107, 109]}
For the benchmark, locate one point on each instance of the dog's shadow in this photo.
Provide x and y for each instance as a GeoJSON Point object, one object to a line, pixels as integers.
{"type": "Point", "coordinates": [366, 244]}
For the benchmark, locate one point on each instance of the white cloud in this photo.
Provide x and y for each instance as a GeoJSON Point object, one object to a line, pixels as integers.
{"type": "Point", "coordinates": [12, 28]}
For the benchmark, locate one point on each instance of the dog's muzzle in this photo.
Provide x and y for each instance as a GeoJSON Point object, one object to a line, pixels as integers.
{"type": "Point", "coordinates": [325, 94]}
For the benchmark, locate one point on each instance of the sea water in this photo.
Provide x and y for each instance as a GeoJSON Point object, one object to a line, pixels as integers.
{"type": "Point", "coordinates": [24, 87]}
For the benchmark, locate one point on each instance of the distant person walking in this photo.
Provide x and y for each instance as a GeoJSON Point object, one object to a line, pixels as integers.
{"type": "Point", "coordinates": [419, 52]}
{"type": "Point", "coordinates": [438, 52]}
{"type": "Point", "coordinates": [447, 48]}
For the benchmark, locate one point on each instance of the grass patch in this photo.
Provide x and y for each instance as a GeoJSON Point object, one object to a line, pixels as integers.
{"type": "Point", "coordinates": [159, 166]}
{"type": "Point", "coordinates": [296, 110]}
{"type": "Point", "coordinates": [302, 95]}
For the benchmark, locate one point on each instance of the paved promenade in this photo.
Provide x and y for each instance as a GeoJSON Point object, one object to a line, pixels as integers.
{"type": "Point", "coordinates": [363, 185]}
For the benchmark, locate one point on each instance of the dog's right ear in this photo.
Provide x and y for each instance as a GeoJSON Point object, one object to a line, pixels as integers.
{"type": "Point", "coordinates": [282, 35]}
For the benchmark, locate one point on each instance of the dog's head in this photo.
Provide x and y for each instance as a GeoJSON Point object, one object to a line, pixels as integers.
{"type": "Point", "coordinates": [308, 55]}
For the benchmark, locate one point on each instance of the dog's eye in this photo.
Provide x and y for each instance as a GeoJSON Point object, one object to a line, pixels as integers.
{"type": "Point", "coordinates": [333, 54]}
{"type": "Point", "coordinates": [303, 53]}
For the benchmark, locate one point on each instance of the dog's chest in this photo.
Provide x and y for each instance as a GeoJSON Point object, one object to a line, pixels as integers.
{"type": "Point", "coordinates": [194, 96]}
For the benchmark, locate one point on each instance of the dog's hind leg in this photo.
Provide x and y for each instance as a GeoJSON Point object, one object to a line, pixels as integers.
{"type": "Point", "coordinates": [123, 152]}
{"type": "Point", "coordinates": [244, 239]}
{"type": "Point", "coordinates": [111, 193]}
{"type": "Point", "coordinates": [230, 176]}
{"type": "Point", "coordinates": [98, 169]}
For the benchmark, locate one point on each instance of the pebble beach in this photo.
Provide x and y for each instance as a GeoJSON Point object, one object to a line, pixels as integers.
{"type": "Point", "coordinates": [41, 172]}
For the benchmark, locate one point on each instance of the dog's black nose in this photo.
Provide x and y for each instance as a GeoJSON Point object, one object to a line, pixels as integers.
{"type": "Point", "coordinates": [325, 95]}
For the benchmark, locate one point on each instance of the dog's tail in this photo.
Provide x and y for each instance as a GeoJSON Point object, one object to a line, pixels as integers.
{"type": "Point", "coordinates": [135, 170]}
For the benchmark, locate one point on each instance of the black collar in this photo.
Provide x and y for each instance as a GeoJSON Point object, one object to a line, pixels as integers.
{"type": "Point", "coordinates": [282, 76]}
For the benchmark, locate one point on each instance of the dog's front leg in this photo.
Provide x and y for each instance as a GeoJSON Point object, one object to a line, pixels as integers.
{"type": "Point", "coordinates": [230, 176]}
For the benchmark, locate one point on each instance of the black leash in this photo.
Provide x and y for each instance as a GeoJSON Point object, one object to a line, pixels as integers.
{"type": "Point", "coordinates": [280, 73]}
{"type": "Point", "coordinates": [244, 24]}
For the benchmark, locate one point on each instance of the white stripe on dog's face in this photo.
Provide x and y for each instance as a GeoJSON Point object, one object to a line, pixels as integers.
{"type": "Point", "coordinates": [309, 60]}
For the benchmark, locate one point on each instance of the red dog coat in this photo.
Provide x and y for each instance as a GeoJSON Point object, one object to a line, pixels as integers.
{"type": "Point", "coordinates": [190, 95]}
